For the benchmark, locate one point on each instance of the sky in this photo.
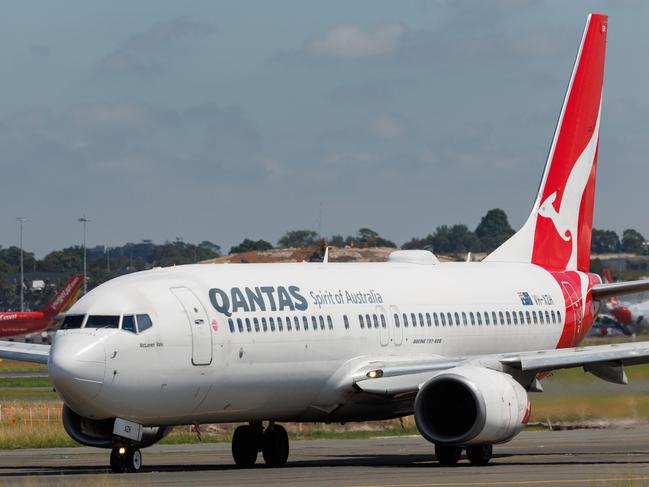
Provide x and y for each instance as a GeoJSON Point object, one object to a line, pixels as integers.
{"type": "Point", "coordinates": [228, 120]}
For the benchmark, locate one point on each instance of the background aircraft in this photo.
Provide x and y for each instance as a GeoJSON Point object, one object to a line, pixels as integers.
{"type": "Point", "coordinates": [14, 323]}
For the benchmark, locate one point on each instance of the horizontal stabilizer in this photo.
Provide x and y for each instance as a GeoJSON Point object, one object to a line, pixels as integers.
{"type": "Point", "coordinates": [609, 289]}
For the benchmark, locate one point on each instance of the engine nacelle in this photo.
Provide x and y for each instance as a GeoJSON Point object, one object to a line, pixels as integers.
{"type": "Point", "coordinates": [471, 405]}
{"type": "Point", "coordinates": [99, 432]}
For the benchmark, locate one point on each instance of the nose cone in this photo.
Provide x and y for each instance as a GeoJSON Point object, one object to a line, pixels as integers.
{"type": "Point", "coordinates": [77, 366]}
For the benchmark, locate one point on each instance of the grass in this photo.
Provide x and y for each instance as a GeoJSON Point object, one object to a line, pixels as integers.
{"type": "Point", "coordinates": [16, 366]}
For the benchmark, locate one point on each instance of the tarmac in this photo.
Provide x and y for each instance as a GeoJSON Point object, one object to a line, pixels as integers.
{"type": "Point", "coordinates": [615, 457]}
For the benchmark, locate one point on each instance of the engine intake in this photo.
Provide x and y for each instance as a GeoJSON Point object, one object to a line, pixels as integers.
{"type": "Point", "coordinates": [471, 405]}
{"type": "Point", "coordinates": [99, 432]}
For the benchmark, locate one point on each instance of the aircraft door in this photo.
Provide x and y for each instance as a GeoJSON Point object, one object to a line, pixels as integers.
{"type": "Point", "coordinates": [198, 324]}
{"type": "Point", "coordinates": [574, 307]}
{"type": "Point", "coordinates": [384, 330]}
{"type": "Point", "coordinates": [395, 320]}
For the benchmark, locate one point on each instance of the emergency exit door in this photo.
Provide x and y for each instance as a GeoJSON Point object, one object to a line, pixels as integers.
{"type": "Point", "coordinates": [198, 324]}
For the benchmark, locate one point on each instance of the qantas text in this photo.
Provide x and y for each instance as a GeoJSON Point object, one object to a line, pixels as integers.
{"type": "Point", "coordinates": [263, 298]}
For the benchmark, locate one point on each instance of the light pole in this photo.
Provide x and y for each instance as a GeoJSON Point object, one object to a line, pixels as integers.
{"type": "Point", "coordinates": [21, 220]}
{"type": "Point", "coordinates": [84, 220]}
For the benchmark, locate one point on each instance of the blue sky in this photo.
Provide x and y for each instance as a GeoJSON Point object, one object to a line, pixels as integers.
{"type": "Point", "coordinates": [225, 120]}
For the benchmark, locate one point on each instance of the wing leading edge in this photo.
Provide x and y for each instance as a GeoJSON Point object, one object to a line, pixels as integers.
{"type": "Point", "coordinates": [24, 352]}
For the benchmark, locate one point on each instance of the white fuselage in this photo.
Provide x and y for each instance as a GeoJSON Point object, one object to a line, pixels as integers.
{"type": "Point", "coordinates": [195, 365]}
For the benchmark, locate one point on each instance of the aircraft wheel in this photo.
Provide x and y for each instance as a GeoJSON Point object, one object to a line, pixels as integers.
{"type": "Point", "coordinates": [118, 459]}
{"type": "Point", "coordinates": [245, 446]}
{"type": "Point", "coordinates": [447, 455]}
{"type": "Point", "coordinates": [479, 454]}
{"type": "Point", "coordinates": [275, 446]}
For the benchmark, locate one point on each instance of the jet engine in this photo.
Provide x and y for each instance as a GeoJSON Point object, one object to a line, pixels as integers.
{"type": "Point", "coordinates": [99, 432]}
{"type": "Point", "coordinates": [471, 405]}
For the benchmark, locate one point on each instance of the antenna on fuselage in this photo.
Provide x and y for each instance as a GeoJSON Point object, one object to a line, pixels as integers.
{"type": "Point", "coordinates": [325, 259]}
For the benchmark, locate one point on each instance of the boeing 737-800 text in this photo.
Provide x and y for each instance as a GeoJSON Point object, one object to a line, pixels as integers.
{"type": "Point", "coordinates": [459, 345]}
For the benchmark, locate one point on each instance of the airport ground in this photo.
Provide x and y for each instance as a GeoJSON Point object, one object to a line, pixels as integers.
{"type": "Point", "coordinates": [607, 457]}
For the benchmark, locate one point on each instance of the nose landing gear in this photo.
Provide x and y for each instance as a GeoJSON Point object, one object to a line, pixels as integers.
{"type": "Point", "coordinates": [249, 440]}
{"type": "Point", "coordinates": [125, 459]}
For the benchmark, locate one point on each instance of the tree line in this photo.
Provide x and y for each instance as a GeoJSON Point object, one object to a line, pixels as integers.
{"type": "Point", "coordinates": [104, 263]}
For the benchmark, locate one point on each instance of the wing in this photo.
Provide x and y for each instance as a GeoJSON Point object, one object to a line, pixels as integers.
{"type": "Point", "coordinates": [25, 352]}
{"type": "Point", "coordinates": [405, 377]}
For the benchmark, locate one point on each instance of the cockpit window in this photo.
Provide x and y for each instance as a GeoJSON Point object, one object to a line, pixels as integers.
{"type": "Point", "coordinates": [102, 321]}
{"type": "Point", "coordinates": [143, 322]}
{"type": "Point", "coordinates": [128, 323]}
{"type": "Point", "coordinates": [72, 321]}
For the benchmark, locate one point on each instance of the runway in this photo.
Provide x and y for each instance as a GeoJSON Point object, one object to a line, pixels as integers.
{"type": "Point", "coordinates": [613, 457]}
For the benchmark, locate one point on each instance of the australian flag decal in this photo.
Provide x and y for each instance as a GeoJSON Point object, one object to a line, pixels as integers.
{"type": "Point", "coordinates": [525, 299]}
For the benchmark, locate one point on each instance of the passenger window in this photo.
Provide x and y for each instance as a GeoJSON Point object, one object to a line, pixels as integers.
{"type": "Point", "coordinates": [559, 316]}
{"type": "Point", "coordinates": [502, 318]}
{"type": "Point", "coordinates": [305, 323]}
{"type": "Point", "coordinates": [368, 321]}
{"type": "Point", "coordinates": [405, 320]}
{"type": "Point", "coordinates": [248, 326]}
{"type": "Point", "coordinates": [360, 320]}
{"type": "Point", "coordinates": [428, 320]}
{"type": "Point", "coordinates": [413, 320]}
{"type": "Point", "coordinates": [255, 321]}
{"type": "Point", "coordinates": [322, 325]}
{"type": "Point", "coordinates": [479, 317]}
{"type": "Point", "coordinates": [464, 322]}
{"type": "Point", "coordinates": [494, 318]}
{"type": "Point", "coordinates": [457, 319]}
{"type": "Point", "coordinates": [436, 318]}
{"type": "Point", "coordinates": [296, 322]}
{"type": "Point", "coordinates": [264, 324]}
{"type": "Point", "coordinates": [472, 318]}
{"type": "Point", "coordinates": [330, 323]}
{"type": "Point", "coordinates": [280, 325]}
{"type": "Point", "coordinates": [375, 319]}
{"type": "Point", "coordinates": [289, 326]}
{"type": "Point", "coordinates": [128, 323]}
{"type": "Point", "coordinates": [383, 323]}
{"type": "Point", "coordinates": [554, 318]}
{"type": "Point", "coordinates": [421, 320]}
{"type": "Point", "coordinates": [346, 321]}
{"type": "Point", "coordinates": [231, 325]}
{"type": "Point", "coordinates": [547, 317]}
{"type": "Point", "coordinates": [486, 318]}
{"type": "Point", "coordinates": [449, 319]}
{"type": "Point", "coordinates": [528, 319]}
{"type": "Point", "coordinates": [240, 325]}
{"type": "Point", "coordinates": [515, 317]}
{"type": "Point", "coordinates": [509, 318]}
{"type": "Point", "coordinates": [443, 319]}
{"type": "Point", "coordinates": [143, 323]}
{"type": "Point", "coordinates": [271, 322]}
{"type": "Point", "coordinates": [314, 323]}
{"type": "Point", "coordinates": [541, 317]}
{"type": "Point", "coordinates": [521, 318]}
{"type": "Point", "coordinates": [396, 320]}
{"type": "Point", "coordinates": [103, 321]}
{"type": "Point", "coordinates": [534, 317]}
{"type": "Point", "coordinates": [72, 321]}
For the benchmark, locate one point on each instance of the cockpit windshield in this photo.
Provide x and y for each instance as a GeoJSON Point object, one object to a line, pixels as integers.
{"type": "Point", "coordinates": [103, 321]}
{"type": "Point", "coordinates": [72, 321]}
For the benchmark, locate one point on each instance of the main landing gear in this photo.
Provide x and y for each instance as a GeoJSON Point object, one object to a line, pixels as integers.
{"type": "Point", "coordinates": [248, 440]}
{"type": "Point", "coordinates": [125, 459]}
{"type": "Point", "coordinates": [449, 456]}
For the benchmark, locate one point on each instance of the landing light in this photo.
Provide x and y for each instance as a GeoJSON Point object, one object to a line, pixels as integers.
{"type": "Point", "coordinates": [122, 450]}
{"type": "Point", "coordinates": [375, 374]}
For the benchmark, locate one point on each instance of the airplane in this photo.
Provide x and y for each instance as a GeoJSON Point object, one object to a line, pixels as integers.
{"type": "Point", "coordinates": [15, 323]}
{"type": "Point", "coordinates": [459, 345]}
{"type": "Point", "coordinates": [629, 315]}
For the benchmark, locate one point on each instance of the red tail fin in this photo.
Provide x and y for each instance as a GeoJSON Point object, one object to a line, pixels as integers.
{"type": "Point", "coordinates": [607, 275]}
{"type": "Point", "coordinates": [557, 233]}
{"type": "Point", "coordinates": [65, 297]}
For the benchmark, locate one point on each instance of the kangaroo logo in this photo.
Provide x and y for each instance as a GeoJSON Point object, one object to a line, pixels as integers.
{"type": "Point", "coordinates": [566, 219]}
